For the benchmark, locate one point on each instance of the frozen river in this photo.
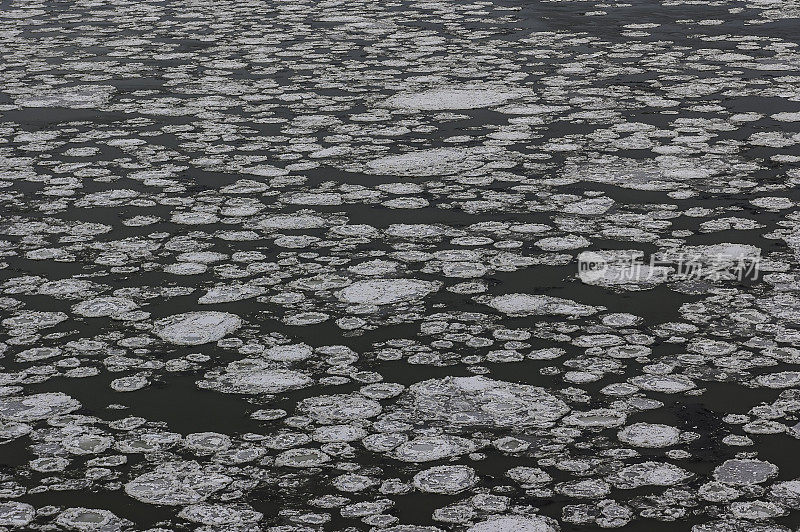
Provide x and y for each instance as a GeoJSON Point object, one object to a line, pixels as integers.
{"type": "Point", "coordinates": [402, 266]}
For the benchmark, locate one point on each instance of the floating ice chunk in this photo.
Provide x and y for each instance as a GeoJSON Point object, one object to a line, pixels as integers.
{"type": "Point", "coordinates": [425, 163]}
{"type": "Point", "coordinates": [75, 97]}
{"type": "Point", "coordinates": [230, 293]}
{"type": "Point", "coordinates": [597, 418]}
{"type": "Point", "coordinates": [84, 444]}
{"type": "Point", "coordinates": [104, 306]}
{"type": "Point", "coordinates": [197, 328]}
{"type": "Point", "coordinates": [649, 474]}
{"type": "Point", "coordinates": [745, 472]}
{"type": "Point", "coordinates": [663, 383]}
{"type": "Point", "coordinates": [386, 291]}
{"type": "Point", "coordinates": [649, 435]}
{"type": "Point", "coordinates": [219, 515]}
{"type": "Point", "coordinates": [516, 523]}
{"type": "Point", "coordinates": [254, 376]}
{"type": "Point", "coordinates": [787, 117]}
{"type": "Point", "coordinates": [288, 353]}
{"type": "Point", "coordinates": [480, 401]}
{"type": "Point", "coordinates": [783, 379]}
{"type": "Point", "coordinates": [207, 442]}
{"type": "Point", "coordinates": [16, 514]}
{"type": "Point", "coordinates": [333, 409]}
{"type": "Point", "coordinates": [301, 458]}
{"type": "Point", "coordinates": [87, 519]}
{"type": "Point", "coordinates": [430, 448]}
{"type": "Point", "coordinates": [528, 304]}
{"type": "Point", "coordinates": [278, 222]}
{"type": "Point", "coordinates": [177, 484]}
{"type": "Point", "coordinates": [37, 406]}
{"type": "Point", "coordinates": [338, 433]}
{"type": "Point", "coordinates": [32, 319]}
{"type": "Point", "coordinates": [447, 479]}
{"type": "Point", "coordinates": [451, 98]}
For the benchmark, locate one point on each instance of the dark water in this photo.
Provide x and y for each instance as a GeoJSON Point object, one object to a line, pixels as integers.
{"type": "Point", "coordinates": [315, 265]}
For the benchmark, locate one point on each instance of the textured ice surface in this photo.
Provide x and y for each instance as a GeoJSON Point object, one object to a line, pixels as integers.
{"type": "Point", "coordinates": [197, 328]}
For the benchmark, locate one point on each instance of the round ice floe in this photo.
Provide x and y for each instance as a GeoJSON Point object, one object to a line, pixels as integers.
{"type": "Point", "coordinates": [649, 435]}
{"type": "Point", "coordinates": [37, 406]}
{"type": "Point", "coordinates": [15, 514]}
{"type": "Point", "coordinates": [12, 431]}
{"type": "Point", "coordinates": [197, 328]}
{"type": "Point", "coordinates": [386, 291]}
{"type": "Point", "coordinates": [86, 519]}
{"type": "Point", "coordinates": [448, 479]}
{"type": "Point", "coordinates": [288, 353]}
{"type": "Point", "coordinates": [207, 442]}
{"type": "Point", "coordinates": [254, 376]}
{"type": "Point", "coordinates": [451, 98]}
{"type": "Point", "coordinates": [333, 409]}
{"type": "Point", "coordinates": [649, 474]}
{"type": "Point", "coordinates": [663, 383]}
{"type": "Point", "coordinates": [479, 401]}
{"type": "Point", "coordinates": [104, 306]}
{"type": "Point", "coordinates": [516, 523]}
{"type": "Point", "coordinates": [176, 483]}
{"type": "Point", "coordinates": [219, 515]}
{"type": "Point", "coordinates": [301, 457]}
{"type": "Point", "coordinates": [33, 319]}
{"type": "Point", "coordinates": [745, 472]}
{"type": "Point", "coordinates": [431, 448]}
{"type": "Point", "coordinates": [528, 304]}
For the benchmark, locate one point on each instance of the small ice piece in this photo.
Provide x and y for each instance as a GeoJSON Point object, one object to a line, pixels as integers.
{"type": "Point", "coordinates": [197, 328]}
{"type": "Point", "coordinates": [87, 519]}
{"type": "Point", "coordinates": [447, 479]}
{"type": "Point", "coordinates": [386, 291]}
{"type": "Point", "coordinates": [745, 472]}
{"type": "Point", "coordinates": [515, 523]}
{"type": "Point", "coordinates": [650, 435]}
